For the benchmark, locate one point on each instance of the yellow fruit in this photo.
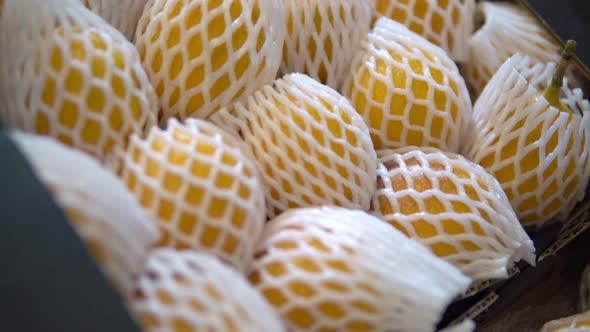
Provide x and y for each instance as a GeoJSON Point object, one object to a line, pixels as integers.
{"type": "Point", "coordinates": [507, 29]}
{"type": "Point", "coordinates": [575, 323]}
{"type": "Point", "coordinates": [121, 14]}
{"type": "Point", "coordinates": [308, 142]}
{"type": "Point", "coordinates": [322, 37]}
{"type": "Point", "coordinates": [184, 291]}
{"type": "Point", "coordinates": [538, 153]}
{"type": "Point", "coordinates": [446, 23]}
{"type": "Point", "coordinates": [408, 91]}
{"type": "Point", "coordinates": [199, 186]}
{"type": "Point", "coordinates": [203, 55]}
{"type": "Point", "coordinates": [81, 81]}
{"type": "Point", "coordinates": [333, 269]}
{"type": "Point", "coordinates": [97, 204]}
{"type": "Point", "coordinates": [453, 207]}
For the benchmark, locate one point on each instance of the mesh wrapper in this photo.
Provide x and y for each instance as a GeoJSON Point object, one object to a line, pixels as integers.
{"type": "Point", "coordinates": [344, 270]}
{"type": "Point", "coordinates": [322, 37]}
{"type": "Point", "coordinates": [189, 291]}
{"type": "Point", "coordinates": [452, 206]}
{"type": "Point", "coordinates": [576, 323]}
{"type": "Point", "coordinates": [69, 75]}
{"type": "Point", "coordinates": [121, 14]}
{"type": "Point", "coordinates": [101, 210]}
{"type": "Point", "coordinates": [203, 55]}
{"type": "Point", "coordinates": [508, 29]}
{"type": "Point", "coordinates": [465, 326]}
{"type": "Point", "coordinates": [199, 186]}
{"type": "Point", "coordinates": [538, 153]}
{"type": "Point", "coordinates": [408, 90]}
{"type": "Point", "coordinates": [446, 23]}
{"type": "Point", "coordinates": [310, 145]}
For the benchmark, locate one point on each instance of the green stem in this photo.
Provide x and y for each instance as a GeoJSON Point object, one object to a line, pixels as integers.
{"type": "Point", "coordinates": [554, 90]}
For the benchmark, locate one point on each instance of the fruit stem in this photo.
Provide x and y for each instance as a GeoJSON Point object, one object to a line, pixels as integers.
{"type": "Point", "coordinates": [554, 90]}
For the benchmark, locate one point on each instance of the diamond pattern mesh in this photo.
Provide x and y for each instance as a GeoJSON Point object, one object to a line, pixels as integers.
{"type": "Point", "coordinates": [309, 144]}
{"type": "Point", "coordinates": [121, 14]}
{"type": "Point", "coordinates": [507, 30]}
{"type": "Point", "coordinates": [107, 218]}
{"type": "Point", "coordinates": [203, 55]}
{"type": "Point", "coordinates": [333, 269]}
{"type": "Point", "coordinates": [446, 23]}
{"type": "Point", "coordinates": [408, 90]}
{"type": "Point", "coordinates": [538, 153]}
{"type": "Point", "coordinates": [186, 291]}
{"type": "Point", "coordinates": [204, 193]}
{"type": "Point", "coordinates": [69, 75]}
{"type": "Point", "coordinates": [322, 37]}
{"type": "Point", "coordinates": [576, 323]}
{"type": "Point", "coordinates": [452, 206]}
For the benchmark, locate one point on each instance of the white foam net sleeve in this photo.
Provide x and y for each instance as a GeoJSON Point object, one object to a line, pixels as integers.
{"type": "Point", "coordinates": [121, 14]}
{"type": "Point", "coordinates": [204, 55]}
{"type": "Point", "coordinates": [408, 90]}
{"type": "Point", "coordinates": [507, 29]}
{"type": "Point", "coordinates": [465, 326]}
{"type": "Point", "coordinates": [322, 37]}
{"type": "Point", "coordinates": [446, 23]}
{"type": "Point", "coordinates": [191, 291]}
{"type": "Point", "coordinates": [538, 153]}
{"type": "Point", "coordinates": [335, 269]}
{"type": "Point", "coordinates": [310, 145]}
{"type": "Point", "coordinates": [575, 323]}
{"type": "Point", "coordinates": [101, 210]}
{"type": "Point", "coordinates": [69, 75]}
{"type": "Point", "coordinates": [452, 206]}
{"type": "Point", "coordinates": [202, 190]}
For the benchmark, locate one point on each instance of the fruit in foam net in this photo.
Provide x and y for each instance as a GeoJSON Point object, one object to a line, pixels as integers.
{"type": "Point", "coordinates": [71, 76]}
{"type": "Point", "coordinates": [534, 143]}
{"type": "Point", "coordinates": [446, 23]}
{"type": "Point", "coordinates": [203, 55]}
{"type": "Point", "coordinates": [452, 206]}
{"type": "Point", "coordinates": [575, 323]}
{"type": "Point", "coordinates": [106, 217]}
{"type": "Point", "coordinates": [121, 14]}
{"type": "Point", "coordinates": [322, 37]}
{"type": "Point", "coordinates": [408, 90]}
{"type": "Point", "coordinates": [333, 269]}
{"type": "Point", "coordinates": [507, 29]}
{"type": "Point", "coordinates": [200, 188]}
{"type": "Point", "coordinates": [310, 145]}
{"type": "Point", "coordinates": [185, 291]}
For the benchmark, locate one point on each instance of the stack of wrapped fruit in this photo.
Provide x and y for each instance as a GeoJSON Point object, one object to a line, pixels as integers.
{"type": "Point", "coordinates": [287, 165]}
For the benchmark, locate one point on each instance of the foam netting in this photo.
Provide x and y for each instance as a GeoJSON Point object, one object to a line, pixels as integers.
{"type": "Point", "coordinates": [190, 291]}
{"type": "Point", "coordinates": [310, 145]}
{"type": "Point", "coordinates": [335, 269]}
{"type": "Point", "coordinates": [446, 23]}
{"type": "Point", "coordinates": [408, 90]}
{"type": "Point", "coordinates": [101, 210]}
{"type": "Point", "coordinates": [203, 55]}
{"type": "Point", "coordinates": [576, 323]}
{"type": "Point", "coordinates": [507, 29]}
{"type": "Point", "coordinates": [199, 186]}
{"type": "Point", "coordinates": [538, 153]}
{"type": "Point", "coordinates": [121, 14]}
{"type": "Point", "coordinates": [322, 37]}
{"type": "Point", "coordinates": [70, 75]}
{"type": "Point", "coordinates": [584, 304]}
{"type": "Point", "coordinates": [452, 206]}
{"type": "Point", "coordinates": [465, 326]}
